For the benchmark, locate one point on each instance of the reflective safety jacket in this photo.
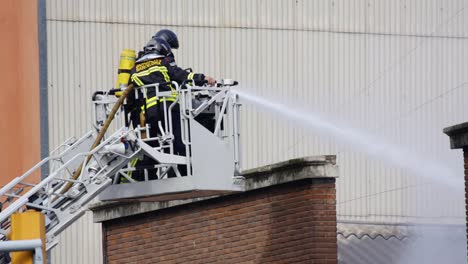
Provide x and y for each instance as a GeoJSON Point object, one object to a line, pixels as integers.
{"type": "Point", "coordinates": [152, 68]}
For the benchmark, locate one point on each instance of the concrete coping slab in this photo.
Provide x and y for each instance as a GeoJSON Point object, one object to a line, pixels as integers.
{"type": "Point", "coordinates": [458, 135]}
{"type": "Point", "coordinates": [314, 167]}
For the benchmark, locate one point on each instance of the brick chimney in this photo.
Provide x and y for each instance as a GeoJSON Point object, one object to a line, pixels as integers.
{"type": "Point", "coordinates": [459, 140]}
{"type": "Point", "coordinates": [287, 214]}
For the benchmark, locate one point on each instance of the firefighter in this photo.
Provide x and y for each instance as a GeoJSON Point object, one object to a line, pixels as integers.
{"type": "Point", "coordinates": [167, 35]}
{"type": "Point", "coordinates": [157, 66]}
{"type": "Point", "coordinates": [170, 37]}
{"type": "Point", "coordinates": [135, 113]}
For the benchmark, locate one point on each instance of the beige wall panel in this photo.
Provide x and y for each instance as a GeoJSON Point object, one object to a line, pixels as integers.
{"type": "Point", "coordinates": [395, 69]}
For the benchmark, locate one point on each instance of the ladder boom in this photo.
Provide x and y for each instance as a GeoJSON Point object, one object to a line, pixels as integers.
{"type": "Point", "coordinates": [208, 115]}
{"type": "Point", "coordinates": [63, 208]}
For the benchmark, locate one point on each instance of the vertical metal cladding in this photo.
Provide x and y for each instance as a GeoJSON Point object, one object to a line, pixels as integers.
{"type": "Point", "coordinates": [80, 243]}
{"type": "Point", "coordinates": [396, 69]}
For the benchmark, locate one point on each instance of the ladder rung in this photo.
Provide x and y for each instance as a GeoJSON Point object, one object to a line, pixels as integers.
{"type": "Point", "coordinates": [12, 195]}
{"type": "Point", "coordinates": [59, 195]}
{"type": "Point", "coordinates": [14, 192]}
{"type": "Point", "coordinates": [69, 180]}
{"type": "Point", "coordinates": [27, 184]}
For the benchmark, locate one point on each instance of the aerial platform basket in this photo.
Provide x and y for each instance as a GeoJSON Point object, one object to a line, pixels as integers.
{"type": "Point", "coordinates": [210, 133]}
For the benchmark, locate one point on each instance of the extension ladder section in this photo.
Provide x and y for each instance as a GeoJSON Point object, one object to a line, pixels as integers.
{"type": "Point", "coordinates": [210, 133]}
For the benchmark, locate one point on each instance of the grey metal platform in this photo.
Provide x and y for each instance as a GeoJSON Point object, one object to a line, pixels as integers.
{"type": "Point", "coordinates": [213, 174]}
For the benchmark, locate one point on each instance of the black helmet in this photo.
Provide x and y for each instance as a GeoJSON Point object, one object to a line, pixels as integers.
{"type": "Point", "coordinates": [168, 36]}
{"type": "Point", "coordinates": [158, 46]}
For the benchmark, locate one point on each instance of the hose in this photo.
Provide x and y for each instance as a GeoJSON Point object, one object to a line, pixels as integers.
{"type": "Point", "coordinates": [100, 136]}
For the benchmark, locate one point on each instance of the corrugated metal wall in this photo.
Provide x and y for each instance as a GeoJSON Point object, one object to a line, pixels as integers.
{"type": "Point", "coordinates": [396, 69]}
{"type": "Point", "coordinates": [80, 243]}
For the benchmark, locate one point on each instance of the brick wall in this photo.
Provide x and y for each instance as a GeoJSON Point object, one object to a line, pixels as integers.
{"type": "Point", "coordinates": [288, 223]}
{"type": "Point", "coordinates": [459, 140]}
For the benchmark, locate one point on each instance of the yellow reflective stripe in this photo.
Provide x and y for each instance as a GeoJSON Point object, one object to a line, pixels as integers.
{"type": "Point", "coordinates": [153, 102]}
{"type": "Point", "coordinates": [151, 105]}
{"type": "Point", "coordinates": [130, 173]}
{"type": "Point", "coordinates": [152, 99]}
{"type": "Point", "coordinates": [133, 163]}
{"type": "Point", "coordinates": [167, 78]}
{"type": "Point", "coordinates": [151, 70]}
{"type": "Point", "coordinates": [161, 69]}
{"type": "Point", "coordinates": [123, 179]}
{"type": "Point", "coordinates": [147, 106]}
{"type": "Point", "coordinates": [170, 99]}
{"type": "Point", "coordinates": [137, 80]}
{"type": "Point", "coordinates": [190, 77]}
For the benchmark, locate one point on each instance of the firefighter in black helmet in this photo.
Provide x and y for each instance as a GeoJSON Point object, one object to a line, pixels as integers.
{"type": "Point", "coordinates": [156, 66]}
{"type": "Point", "coordinates": [135, 105]}
{"type": "Point", "coordinates": [168, 36]}
{"type": "Point", "coordinates": [171, 39]}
